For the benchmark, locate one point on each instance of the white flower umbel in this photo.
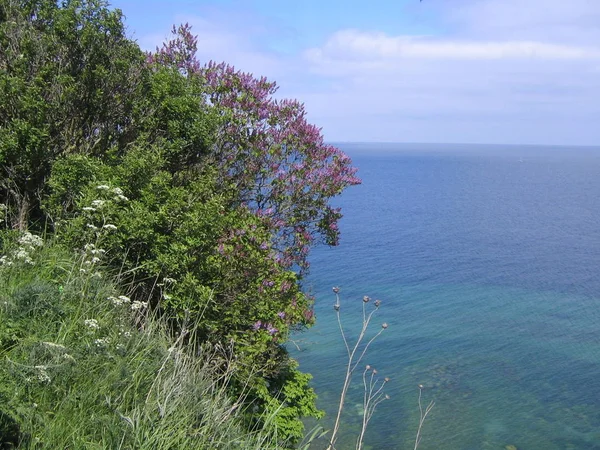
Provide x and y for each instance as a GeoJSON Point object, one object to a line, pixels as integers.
{"type": "Point", "coordinates": [30, 240]}
{"type": "Point", "coordinates": [102, 342]}
{"type": "Point", "coordinates": [120, 300]}
{"type": "Point", "coordinates": [91, 323]}
{"type": "Point", "coordinates": [136, 305]}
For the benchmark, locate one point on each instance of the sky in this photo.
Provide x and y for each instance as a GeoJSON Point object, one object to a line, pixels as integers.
{"type": "Point", "coordinates": [435, 71]}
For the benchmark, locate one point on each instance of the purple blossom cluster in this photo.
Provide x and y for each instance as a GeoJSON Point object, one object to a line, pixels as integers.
{"type": "Point", "coordinates": [284, 171]}
{"type": "Point", "coordinates": [258, 325]}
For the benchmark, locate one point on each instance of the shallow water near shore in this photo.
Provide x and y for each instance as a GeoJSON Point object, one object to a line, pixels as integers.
{"type": "Point", "coordinates": [487, 262]}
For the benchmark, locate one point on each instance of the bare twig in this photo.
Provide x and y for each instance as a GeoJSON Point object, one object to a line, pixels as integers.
{"type": "Point", "coordinates": [423, 416]}
{"type": "Point", "coordinates": [355, 355]}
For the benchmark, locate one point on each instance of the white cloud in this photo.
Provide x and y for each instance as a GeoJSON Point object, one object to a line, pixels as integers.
{"type": "Point", "coordinates": [496, 71]}
{"type": "Point", "coordinates": [368, 46]}
{"type": "Point", "coordinates": [500, 71]}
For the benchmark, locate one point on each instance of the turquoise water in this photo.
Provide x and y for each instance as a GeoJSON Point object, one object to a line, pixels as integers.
{"type": "Point", "coordinates": [487, 261]}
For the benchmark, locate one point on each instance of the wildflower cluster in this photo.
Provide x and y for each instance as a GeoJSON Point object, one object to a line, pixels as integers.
{"type": "Point", "coordinates": [99, 211]}
{"type": "Point", "coordinates": [40, 375]}
{"type": "Point", "coordinates": [28, 244]}
{"type": "Point", "coordinates": [102, 342]}
{"type": "Point", "coordinates": [92, 324]}
{"type": "Point", "coordinates": [120, 300]}
{"type": "Point", "coordinates": [91, 257]}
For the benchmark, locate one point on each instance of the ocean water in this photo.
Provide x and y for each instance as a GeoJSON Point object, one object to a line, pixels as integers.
{"type": "Point", "coordinates": [487, 263]}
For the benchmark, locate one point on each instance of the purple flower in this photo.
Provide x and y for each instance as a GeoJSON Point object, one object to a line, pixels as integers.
{"type": "Point", "coordinates": [271, 329]}
{"type": "Point", "coordinates": [257, 325]}
{"type": "Point", "coordinates": [281, 315]}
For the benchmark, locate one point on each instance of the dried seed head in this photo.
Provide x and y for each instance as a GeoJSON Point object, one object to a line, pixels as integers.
{"type": "Point", "coordinates": [421, 386]}
{"type": "Point", "coordinates": [336, 289]}
{"type": "Point", "coordinates": [336, 307]}
{"type": "Point", "coordinates": [374, 371]}
{"type": "Point", "coordinates": [384, 325]}
{"type": "Point", "coordinates": [366, 299]}
{"type": "Point", "coordinates": [377, 303]}
{"type": "Point", "coordinates": [386, 379]}
{"type": "Point", "coordinates": [387, 397]}
{"type": "Point", "coordinates": [368, 367]}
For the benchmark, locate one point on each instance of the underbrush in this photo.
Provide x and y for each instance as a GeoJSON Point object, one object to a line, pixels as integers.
{"type": "Point", "coordinates": [82, 366]}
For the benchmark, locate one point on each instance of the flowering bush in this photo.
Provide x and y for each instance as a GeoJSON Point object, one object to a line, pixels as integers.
{"type": "Point", "coordinates": [265, 148]}
{"type": "Point", "coordinates": [192, 180]}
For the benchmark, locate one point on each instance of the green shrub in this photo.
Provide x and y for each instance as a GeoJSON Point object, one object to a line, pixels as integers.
{"type": "Point", "coordinates": [80, 373]}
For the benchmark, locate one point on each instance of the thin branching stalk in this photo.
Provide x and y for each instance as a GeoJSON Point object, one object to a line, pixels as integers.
{"type": "Point", "coordinates": [423, 416]}
{"type": "Point", "coordinates": [373, 396]}
{"type": "Point", "coordinates": [355, 356]}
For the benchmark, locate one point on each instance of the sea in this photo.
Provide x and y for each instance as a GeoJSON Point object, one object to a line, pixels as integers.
{"type": "Point", "coordinates": [486, 260]}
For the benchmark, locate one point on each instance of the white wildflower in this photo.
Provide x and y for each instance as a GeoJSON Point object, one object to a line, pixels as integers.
{"type": "Point", "coordinates": [122, 198]}
{"type": "Point", "coordinates": [43, 376]}
{"type": "Point", "coordinates": [91, 323]}
{"type": "Point", "coordinates": [97, 275]}
{"type": "Point", "coordinates": [136, 305]}
{"type": "Point", "coordinates": [102, 342]}
{"type": "Point", "coordinates": [169, 280]}
{"type": "Point", "coordinates": [92, 226]}
{"type": "Point", "coordinates": [30, 240]}
{"type": "Point", "coordinates": [118, 301]}
{"type": "Point", "coordinates": [110, 226]}
{"type": "Point", "coordinates": [167, 297]}
{"type": "Point", "coordinates": [103, 187]}
{"type": "Point", "coordinates": [98, 203]}
{"type": "Point", "coordinates": [95, 260]}
{"type": "Point", "coordinates": [118, 191]}
{"type": "Point", "coordinates": [21, 254]}
{"type": "Point", "coordinates": [127, 334]}
{"type": "Point", "coordinates": [89, 247]}
{"type": "Point", "coordinates": [89, 208]}
{"type": "Point", "coordinates": [82, 271]}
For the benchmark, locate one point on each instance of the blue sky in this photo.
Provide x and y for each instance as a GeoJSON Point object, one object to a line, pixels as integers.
{"type": "Point", "coordinates": [465, 71]}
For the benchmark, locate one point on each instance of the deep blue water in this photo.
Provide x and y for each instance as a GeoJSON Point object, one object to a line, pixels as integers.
{"type": "Point", "coordinates": [487, 262]}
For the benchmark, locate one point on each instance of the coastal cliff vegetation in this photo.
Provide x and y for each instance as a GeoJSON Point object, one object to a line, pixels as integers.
{"type": "Point", "coordinates": [156, 215]}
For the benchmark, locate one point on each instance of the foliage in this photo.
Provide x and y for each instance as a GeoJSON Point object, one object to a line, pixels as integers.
{"type": "Point", "coordinates": [203, 191]}
{"type": "Point", "coordinates": [78, 373]}
{"type": "Point", "coordinates": [68, 80]}
{"type": "Point", "coordinates": [197, 260]}
{"type": "Point", "coordinates": [278, 162]}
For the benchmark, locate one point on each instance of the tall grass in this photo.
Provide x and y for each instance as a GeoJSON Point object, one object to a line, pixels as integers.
{"type": "Point", "coordinates": [81, 366]}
